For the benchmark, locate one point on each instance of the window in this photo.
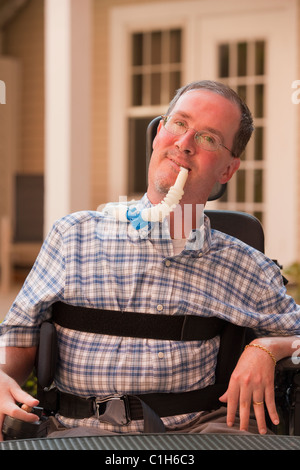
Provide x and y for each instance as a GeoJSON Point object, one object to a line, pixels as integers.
{"type": "Point", "coordinates": [155, 75]}
{"type": "Point", "coordinates": [242, 66]}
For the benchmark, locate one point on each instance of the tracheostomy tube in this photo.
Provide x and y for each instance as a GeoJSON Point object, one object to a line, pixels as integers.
{"type": "Point", "coordinates": [157, 213]}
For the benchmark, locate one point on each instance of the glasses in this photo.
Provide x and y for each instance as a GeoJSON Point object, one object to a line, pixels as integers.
{"type": "Point", "coordinates": [206, 140]}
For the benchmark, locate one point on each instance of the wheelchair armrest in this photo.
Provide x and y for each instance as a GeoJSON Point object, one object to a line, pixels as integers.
{"type": "Point", "coordinates": [288, 363]}
{"type": "Point", "coordinates": [287, 393]}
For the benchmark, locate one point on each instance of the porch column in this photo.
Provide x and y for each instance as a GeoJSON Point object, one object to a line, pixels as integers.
{"type": "Point", "coordinates": [67, 107]}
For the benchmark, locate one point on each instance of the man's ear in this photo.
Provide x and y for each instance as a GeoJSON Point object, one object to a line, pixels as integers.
{"type": "Point", "coordinates": [230, 170]}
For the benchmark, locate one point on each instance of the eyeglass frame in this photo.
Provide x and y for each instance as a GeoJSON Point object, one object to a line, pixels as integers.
{"type": "Point", "coordinates": [165, 117]}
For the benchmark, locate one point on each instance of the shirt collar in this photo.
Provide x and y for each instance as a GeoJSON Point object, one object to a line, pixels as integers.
{"type": "Point", "coordinates": [199, 239]}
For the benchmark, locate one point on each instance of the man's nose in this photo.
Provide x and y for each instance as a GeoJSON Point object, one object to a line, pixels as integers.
{"type": "Point", "coordinates": [186, 142]}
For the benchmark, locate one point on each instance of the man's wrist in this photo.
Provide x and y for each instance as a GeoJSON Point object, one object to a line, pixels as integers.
{"type": "Point", "coordinates": [279, 346]}
{"type": "Point", "coordinates": [263, 348]}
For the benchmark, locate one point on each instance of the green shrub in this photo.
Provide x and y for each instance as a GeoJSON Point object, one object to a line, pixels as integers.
{"type": "Point", "coordinates": [292, 273]}
{"type": "Point", "coordinates": [31, 385]}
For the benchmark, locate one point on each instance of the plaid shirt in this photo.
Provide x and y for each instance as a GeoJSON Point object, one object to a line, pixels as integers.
{"type": "Point", "coordinates": [93, 260]}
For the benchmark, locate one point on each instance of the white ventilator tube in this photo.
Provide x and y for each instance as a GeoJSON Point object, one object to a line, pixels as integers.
{"type": "Point", "coordinates": [160, 211]}
{"type": "Point", "coordinates": [155, 213]}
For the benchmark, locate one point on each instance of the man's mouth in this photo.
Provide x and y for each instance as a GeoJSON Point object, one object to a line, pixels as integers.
{"type": "Point", "coordinates": [180, 165]}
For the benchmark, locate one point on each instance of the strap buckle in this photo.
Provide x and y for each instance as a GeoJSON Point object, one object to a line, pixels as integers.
{"type": "Point", "coordinates": [113, 410]}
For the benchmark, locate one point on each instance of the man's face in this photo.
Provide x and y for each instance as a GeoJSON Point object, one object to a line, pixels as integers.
{"type": "Point", "coordinates": [199, 110]}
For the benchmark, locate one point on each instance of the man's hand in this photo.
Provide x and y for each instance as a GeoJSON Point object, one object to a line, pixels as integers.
{"type": "Point", "coordinates": [252, 385]}
{"type": "Point", "coordinates": [18, 365]}
{"type": "Point", "coordinates": [11, 393]}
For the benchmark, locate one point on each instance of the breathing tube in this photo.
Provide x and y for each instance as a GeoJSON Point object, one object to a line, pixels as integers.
{"type": "Point", "coordinates": [157, 213]}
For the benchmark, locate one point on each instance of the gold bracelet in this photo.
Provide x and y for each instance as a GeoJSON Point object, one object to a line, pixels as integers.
{"type": "Point", "coordinates": [263, 349]}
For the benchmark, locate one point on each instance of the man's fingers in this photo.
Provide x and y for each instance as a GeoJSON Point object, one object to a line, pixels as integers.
{"type": "Point", "coordinates": [11, 408]}
{"type": "Point", "coordinates": [21, 396]}
{"type": "Point", "coordinates": [17, 412]}
{"type": "Point", "coordinates": [271, 405]}
{"type": "Point", "coordinates": [231, 396]}
{"type": "Point", "coordinates": [259, 410]}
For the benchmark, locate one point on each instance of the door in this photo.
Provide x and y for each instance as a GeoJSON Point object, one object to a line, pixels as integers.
{"type": "Point", "coordinates": [255, 53]}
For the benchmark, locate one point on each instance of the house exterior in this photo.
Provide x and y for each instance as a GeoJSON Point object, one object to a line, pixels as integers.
{"type": "Point", "coordinates": [82, 78]}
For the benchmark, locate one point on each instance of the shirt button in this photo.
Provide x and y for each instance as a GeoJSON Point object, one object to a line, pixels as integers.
{"type": "Point", "coordinates": [159, 307]}
{"type": "Point", "coordinates": [160, 355]}
{"type": "Point", "coordinates": [167, 263]}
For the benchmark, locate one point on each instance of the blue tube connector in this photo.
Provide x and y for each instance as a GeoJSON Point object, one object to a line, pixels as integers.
{"type": "Point", "coordinates": [135, 218]}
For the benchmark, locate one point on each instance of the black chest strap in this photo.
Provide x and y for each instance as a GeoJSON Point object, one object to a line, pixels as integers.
{"type": "Point", "coordinates": [138, 325]}
{"type": "Point", "coordinates": [131, 324]}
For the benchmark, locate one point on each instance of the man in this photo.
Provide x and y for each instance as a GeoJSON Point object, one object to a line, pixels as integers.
{"type": "Point", "coordinates": [85, 261]}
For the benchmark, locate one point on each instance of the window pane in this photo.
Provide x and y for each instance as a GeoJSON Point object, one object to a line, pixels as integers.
{"type": "Point", "coordinates": [175, 82]}
{"type": "Point", "coordinates": [224, 60]}
{"type": "Point", "coordinates": [155, 88]}
{"type": "Point", "coordinates": [242, 59]}
{"type": "Point", "coordinates": [137, 90]}
{"type": "Point", "coordinates": [137, 49]}
{"type": "Point", "coordinates": [259, 58]}
{"type": "Point", "coordinates": [258, 143]}
{"type": "Point", "coordinates": [156, 48]}
{"type": "Point", "coordinates": [242, 92]}
{"type": "Point", "coordinates": [258, 193]}
{"type": "Point", "coordinates": [259, 101]}
{"type": "Point", "coordinates": [241, 186]}
{"type": "Point", "coordinates": [242, 64]}
{"type": "Point", "coordinates": [175, 46]}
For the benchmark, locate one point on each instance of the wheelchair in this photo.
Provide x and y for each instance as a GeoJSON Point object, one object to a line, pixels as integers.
{"type": "Point", "coordinates": [233, 339]}
{"type": "Point", "coordinates": [248, 229]}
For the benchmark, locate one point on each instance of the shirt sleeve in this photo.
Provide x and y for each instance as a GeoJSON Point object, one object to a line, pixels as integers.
{"type": "Point", "coordinates": [43, 286]}
{"type": "Point", "coordinates": [279, 314]}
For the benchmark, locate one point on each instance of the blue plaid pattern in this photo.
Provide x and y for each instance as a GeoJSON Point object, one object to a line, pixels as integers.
{"type": "Point", "coordinates": [91, 259]}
